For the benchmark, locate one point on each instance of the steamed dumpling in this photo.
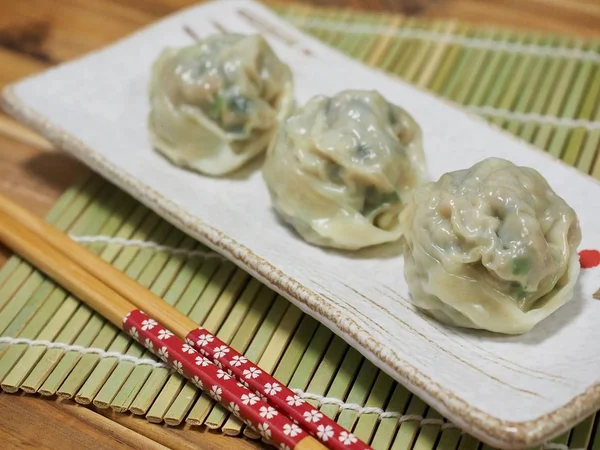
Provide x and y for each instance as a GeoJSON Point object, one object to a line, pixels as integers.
{"type": "Point", "coordinates": [340, 168]}
{"type": "Point", "coordinates": [218, 103]}
{"type": "Point", "coordinates": [491, 247]}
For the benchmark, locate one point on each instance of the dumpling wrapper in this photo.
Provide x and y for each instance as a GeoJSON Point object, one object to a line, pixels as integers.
{"type": "Point", "coordinates": [492, 247]}
{"type": "Point", "coordinates": [340, 168]}
{"type": "Point", "coordinates": [217, 104]}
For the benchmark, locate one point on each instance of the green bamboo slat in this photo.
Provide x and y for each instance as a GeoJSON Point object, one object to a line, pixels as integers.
{"type": "Point", "coordinates": [426, 57]}
{"type": "Point", "coordinates": [366, 44]}
{"type": "Point", "coordinates": [199, 311]}
{"type": "Point", "coordinates": [346, 42]}
{"type": "Point", "coordinates": [59, 364]}
{"type": "Point", "coordinates": [577, 90]}
{"type": "Point", "coordinates": [383, 44]}
{"type": "Point", "coordinates": [562, 439]}
{"type": "Point", "coordinates": [406, 51]}
{"type": "Point", "coordinates": [271, 354]}
{"type": "Point", "coordinates": [575, 152]}
{"type": "Point", "coordinates": [78, 374]}
{"type": "Point", "coordinates": [178, 410]}
{"type": "Point", "coordinates": [58, 322]}
{"type": "Point", "coordinates": [514, 93]}
{"type": "Point", "coordinates": [328, 367]}
{"type": "Point", "coordinates": [65, 201]}
{"type": "Point", "coordinates": [558, 100]}
{"type": "Point", "coordinates": [505, 74]}
{"type": "Point", "coordinates": [467, 74]}
{"type": "Point", "coordinates": [177, 407]}
{"type": "Point", "coordinates": [468, 442]}
{"type": "Point", "coordinates": [124, 398]}
{"type": "Point", "coordinates": [258, 341]}
{"type": "Point", "coordinates": [582, 433]}
{"type": "Point", "coordinates": [227, 330]}
{"type": "Point", "coordinates": [343, 381]}
{"type": "Point", "coordinates": [408, 431]}
{"type": "Point", "coordinates": [358, 393]}
{"type": "Point", "coordinates": [165, 398]}
{"type": "Point", "coordinates": [242, 339]}
{"type": "Point", "coordinates": [527, 95]}
{"type": "Point", "coordinates": [329, 35]}
{"type": "Point", "coordinates": [41, 297]}
{"type": "Point", "coordinates": [449, 439]}
{"type": "Point", "coordinates": [49, 311]}
{"type": "Point", "coordinates": [545, 97]}
{"type": "Point", "coordinates": [386, 431]}
{"type": "Point", "coordinates": [51, 357]}
{"type": "Point", "coordinates": [311, 359]}
{"type": "Point", "coordinates": [160, 281]}
{"type": "Point", "coordinates": [487, 76]}
{"type": "Point", "coordinates": [22, 270]}
{"type": "Point", "coordinates": [595, 440]}
{"type": "Point", "coordinates": [144, 268]}
{"type": "Point", "coordinates": [450, 63]}
{"type": "Point", "coordinates": [428, 434]}
{"type": "Point", "coordinates": [366, 424]}
{"type": "Point", "coordinates": [199, 286]}
{"type": "Point", "coordinates": [589, 152]}
{"type": "Point", "coordinates": [397, 48]}
{"type": "Point", "coordinates": [437, 55]}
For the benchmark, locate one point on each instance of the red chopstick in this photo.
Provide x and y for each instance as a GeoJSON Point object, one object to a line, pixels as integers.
{"type": "Point", "coordinates": [261, 383]}
{"type": "Point", "coordinates": [275, 393]}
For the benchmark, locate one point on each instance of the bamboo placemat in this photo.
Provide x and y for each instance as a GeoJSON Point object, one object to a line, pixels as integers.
{"type": "Point", "coordinates": [543, 88]}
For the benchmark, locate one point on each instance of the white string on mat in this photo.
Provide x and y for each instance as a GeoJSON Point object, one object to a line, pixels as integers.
{"type": "Point", "coordinates": [80, 349]}
{"type": "Point", "coordinates": [146, 244]}
{"type": "Point", "coordinates": [305, 395]}
{"type": "Point", "coordinates": [481, 43]}
{"type": "Point", "coordinates": [533, 117]}
{"type": "Point", "coordinates": [382, 414]}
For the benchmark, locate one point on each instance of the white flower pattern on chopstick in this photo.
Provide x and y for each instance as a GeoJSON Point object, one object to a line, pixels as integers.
{"type": "Point", "coordinates": [268, 412]}
{"type": "Point", "coordinates": [148, 324]}
{"type": "Point", "coordinates": [187, 348]}
{"type": "Point", "coordinates": [238, 360]}
{"type": "Point", "coordinates": [292, 430]}
{"type": "Point", "coordinates": [313, 416]}
{"type": "Point", "coordinates": [222, 374]}
{"type": "Point", "coordinates": [133, 332]}
{"type": "Point", "coordinates": [178, 366]}
{"type": "Point", "coordinates": [347, 438]}
{"type": "Point", "coordinates": [204, 340]}
{"type": "Point", "coordinates": [164, 334]}
{"type": "Point", "coordinates": [220, 351]}
{"type": "Point", "coordinates": [265, 431]}
{"type": "Point", "coordinates": [234, 408]}
{"type": "Point", "coordinates": [272, 388]}
{"type": "Point", "coordinates": [198, 382]}
{"type": "Point", "coordinates": [294, 401]}
{"type": "Point", "coordinates": [202, 361]}
{"type": "Point", "coordinates": [216, 392]}
{"type": "Point", "coordinates": [163, 353]}
{"type": "Point", "coordinates": [252, 372]}
{"type": "Point", "coordinates": [324, 432]}
{"type": "Point", "coordinates": [249, 399]}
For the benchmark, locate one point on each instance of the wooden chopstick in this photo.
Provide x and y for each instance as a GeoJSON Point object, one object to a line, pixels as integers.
{"type": "Point", "coordinates": [257, 380]}
{"type": "Point", "coordinates": [155, 337]}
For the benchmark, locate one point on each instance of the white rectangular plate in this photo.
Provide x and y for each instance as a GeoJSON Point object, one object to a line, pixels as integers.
{"type": "Point", "coordinates": [509, 391]}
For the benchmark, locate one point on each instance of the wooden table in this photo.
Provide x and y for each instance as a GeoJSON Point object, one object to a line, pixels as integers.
{"type": "Point", "coordinates": [36, 34]}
